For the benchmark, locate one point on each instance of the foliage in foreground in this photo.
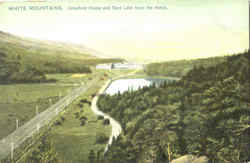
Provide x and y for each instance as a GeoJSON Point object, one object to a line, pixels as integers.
{"type": "Point", "coordinates": [206, 113]}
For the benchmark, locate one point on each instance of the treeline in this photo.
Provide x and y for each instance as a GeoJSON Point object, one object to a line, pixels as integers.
{"type": "Point", "coordinates": [181, 67]}
{"type": "Point", "coordinates": [27, 60]}
{"type": "Point", "coordinates": [15, 68]}
{"type": "Point", "coordinates": [206, 113]}
{"type": "Point", "coordinates": [12, 69]}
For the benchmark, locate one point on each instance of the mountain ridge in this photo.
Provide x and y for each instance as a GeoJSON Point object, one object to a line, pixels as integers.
{"type": "Point", "coordinates": [34, 45]}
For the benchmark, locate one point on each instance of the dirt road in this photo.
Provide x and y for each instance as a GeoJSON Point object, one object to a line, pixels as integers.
{"type": "Point", "coordinates": [116, 127]}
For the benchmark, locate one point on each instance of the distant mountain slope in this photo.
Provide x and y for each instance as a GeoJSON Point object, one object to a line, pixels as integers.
{"type": "Point", "coordinates": [9, 42]}
{"type": "Point", "coordinates": [28, 60]}
{"type": "Point", "coordinates": [181, 67]}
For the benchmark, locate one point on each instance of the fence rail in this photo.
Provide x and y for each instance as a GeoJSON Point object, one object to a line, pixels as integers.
{"type": "Point", "coordinates": [16, 138]}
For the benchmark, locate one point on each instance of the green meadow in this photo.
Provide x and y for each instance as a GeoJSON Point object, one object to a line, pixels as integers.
{"type": "Point", "coordinates": [71, 140]}
{"type": "Point", "coordinates": [35, 75]}
{"type": "Point", "coordinates": [19, 101]}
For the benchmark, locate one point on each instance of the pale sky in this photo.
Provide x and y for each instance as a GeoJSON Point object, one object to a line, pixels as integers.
{"type": "Point", "coordinates": [183, 31]}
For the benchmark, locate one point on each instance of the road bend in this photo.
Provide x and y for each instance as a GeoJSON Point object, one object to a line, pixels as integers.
{"type": "Point", "coordinates": [116, 127]}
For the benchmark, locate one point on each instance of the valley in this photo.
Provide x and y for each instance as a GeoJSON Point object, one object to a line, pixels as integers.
{"type": "Point", "coordinates": [105, 110]}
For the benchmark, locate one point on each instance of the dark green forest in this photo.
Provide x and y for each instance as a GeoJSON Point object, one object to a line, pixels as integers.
{"type": "Point", "coordinates": [12, 69]}
{"type": "Point", "coordinates": [181, 67]}
{"type": "Point", "coordinates": [206, 113]}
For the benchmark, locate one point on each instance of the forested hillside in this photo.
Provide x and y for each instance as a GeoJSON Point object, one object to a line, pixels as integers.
{"type": "Point", "coordinates": [206, 113]}
{"type": "Point", "coordinates": [181, 67]}
{"type": "Point", "coordinates": [26, 60]}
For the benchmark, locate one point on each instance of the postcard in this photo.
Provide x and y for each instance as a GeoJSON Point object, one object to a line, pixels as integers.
{"type": "Point", "coordinates": [122, 81]}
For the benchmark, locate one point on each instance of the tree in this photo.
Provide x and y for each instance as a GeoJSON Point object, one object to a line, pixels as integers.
{"type": "Point", "coordinates": [106, 121]}
{"type": "Point", "coordinates": [101, 138]}
{"type": "Point", "coordinates": [99, 156]}
{"type": "Point", "coordinates": [92, 156]}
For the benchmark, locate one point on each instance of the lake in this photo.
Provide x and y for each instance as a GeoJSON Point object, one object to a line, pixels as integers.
{"type": "Point", "coordinates": [123, 85]}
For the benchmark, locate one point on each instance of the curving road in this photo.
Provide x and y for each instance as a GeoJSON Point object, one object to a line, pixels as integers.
{"type": "Point", "coordinates": [116, 127]}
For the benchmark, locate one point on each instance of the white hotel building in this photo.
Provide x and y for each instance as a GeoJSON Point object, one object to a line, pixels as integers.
{"type": "Point", "coordinates": [120, 66]}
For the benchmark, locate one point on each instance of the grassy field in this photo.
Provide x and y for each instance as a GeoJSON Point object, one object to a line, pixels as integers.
{"type": "Point", "coordinates": [143, 75]}
{"type": "Point", "coordinates": [19, 101]}
{"type": "Point", "coordinates": [72, 141]}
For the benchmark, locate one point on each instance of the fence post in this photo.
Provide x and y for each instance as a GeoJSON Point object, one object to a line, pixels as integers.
{"type": "Point", "coordinates": [17, 125]}
{"type": "Point", "coordinates": [37, 112]}
{"type": "Point", "coordinates": [37, 127]}
{"type": "Point", "coordinates": [12, 151]}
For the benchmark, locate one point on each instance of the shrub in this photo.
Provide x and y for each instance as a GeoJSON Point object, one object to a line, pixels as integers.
{"type": "Point", "coordinates": [83, 122]}
{"type": "Point", "coordinates": [62, 118]}
{"type": "Point", "coordinates": [100, 117]}
{"type": "Point", "coordinates": [83, 118]}
{"type": "Point", "coordinates": [57, 123]}
{"type": "Point", "coordinates": [80, 105]}
{"type": "Point", "coordinates": [77, 115]}
{"type": "Point", "coordinates": [85, 101]}
{"type": "Point", "coordinates": [101, 138]}
{"type": "Point", "coordinates": [106, 122]}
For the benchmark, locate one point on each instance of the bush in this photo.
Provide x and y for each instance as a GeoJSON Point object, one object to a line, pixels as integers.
{"type": "Point", "coordinates": [101, 138]}
{"type": "Point", "coordinates": [85, 101]}
{"type": "Point", "coordinates": [62, 118]}
{"type": "Point", "coordinates": [80, 105]}
{"type": "Point", "coordinates": [57, 123]}
{"type": "Point", "coordinates": [77, 115]}
{"type": "Point", "coordinates": [83, 122]}
{"type": "Point", "coordinates": [100, 117]}
{"type": "Point", "coordinates": [106, 122]}
{"type": "Point", "coordinates": [83, 118]}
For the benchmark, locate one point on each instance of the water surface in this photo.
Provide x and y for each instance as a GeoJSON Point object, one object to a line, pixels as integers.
{"type": "Point", "coordinates": [122, 85]}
